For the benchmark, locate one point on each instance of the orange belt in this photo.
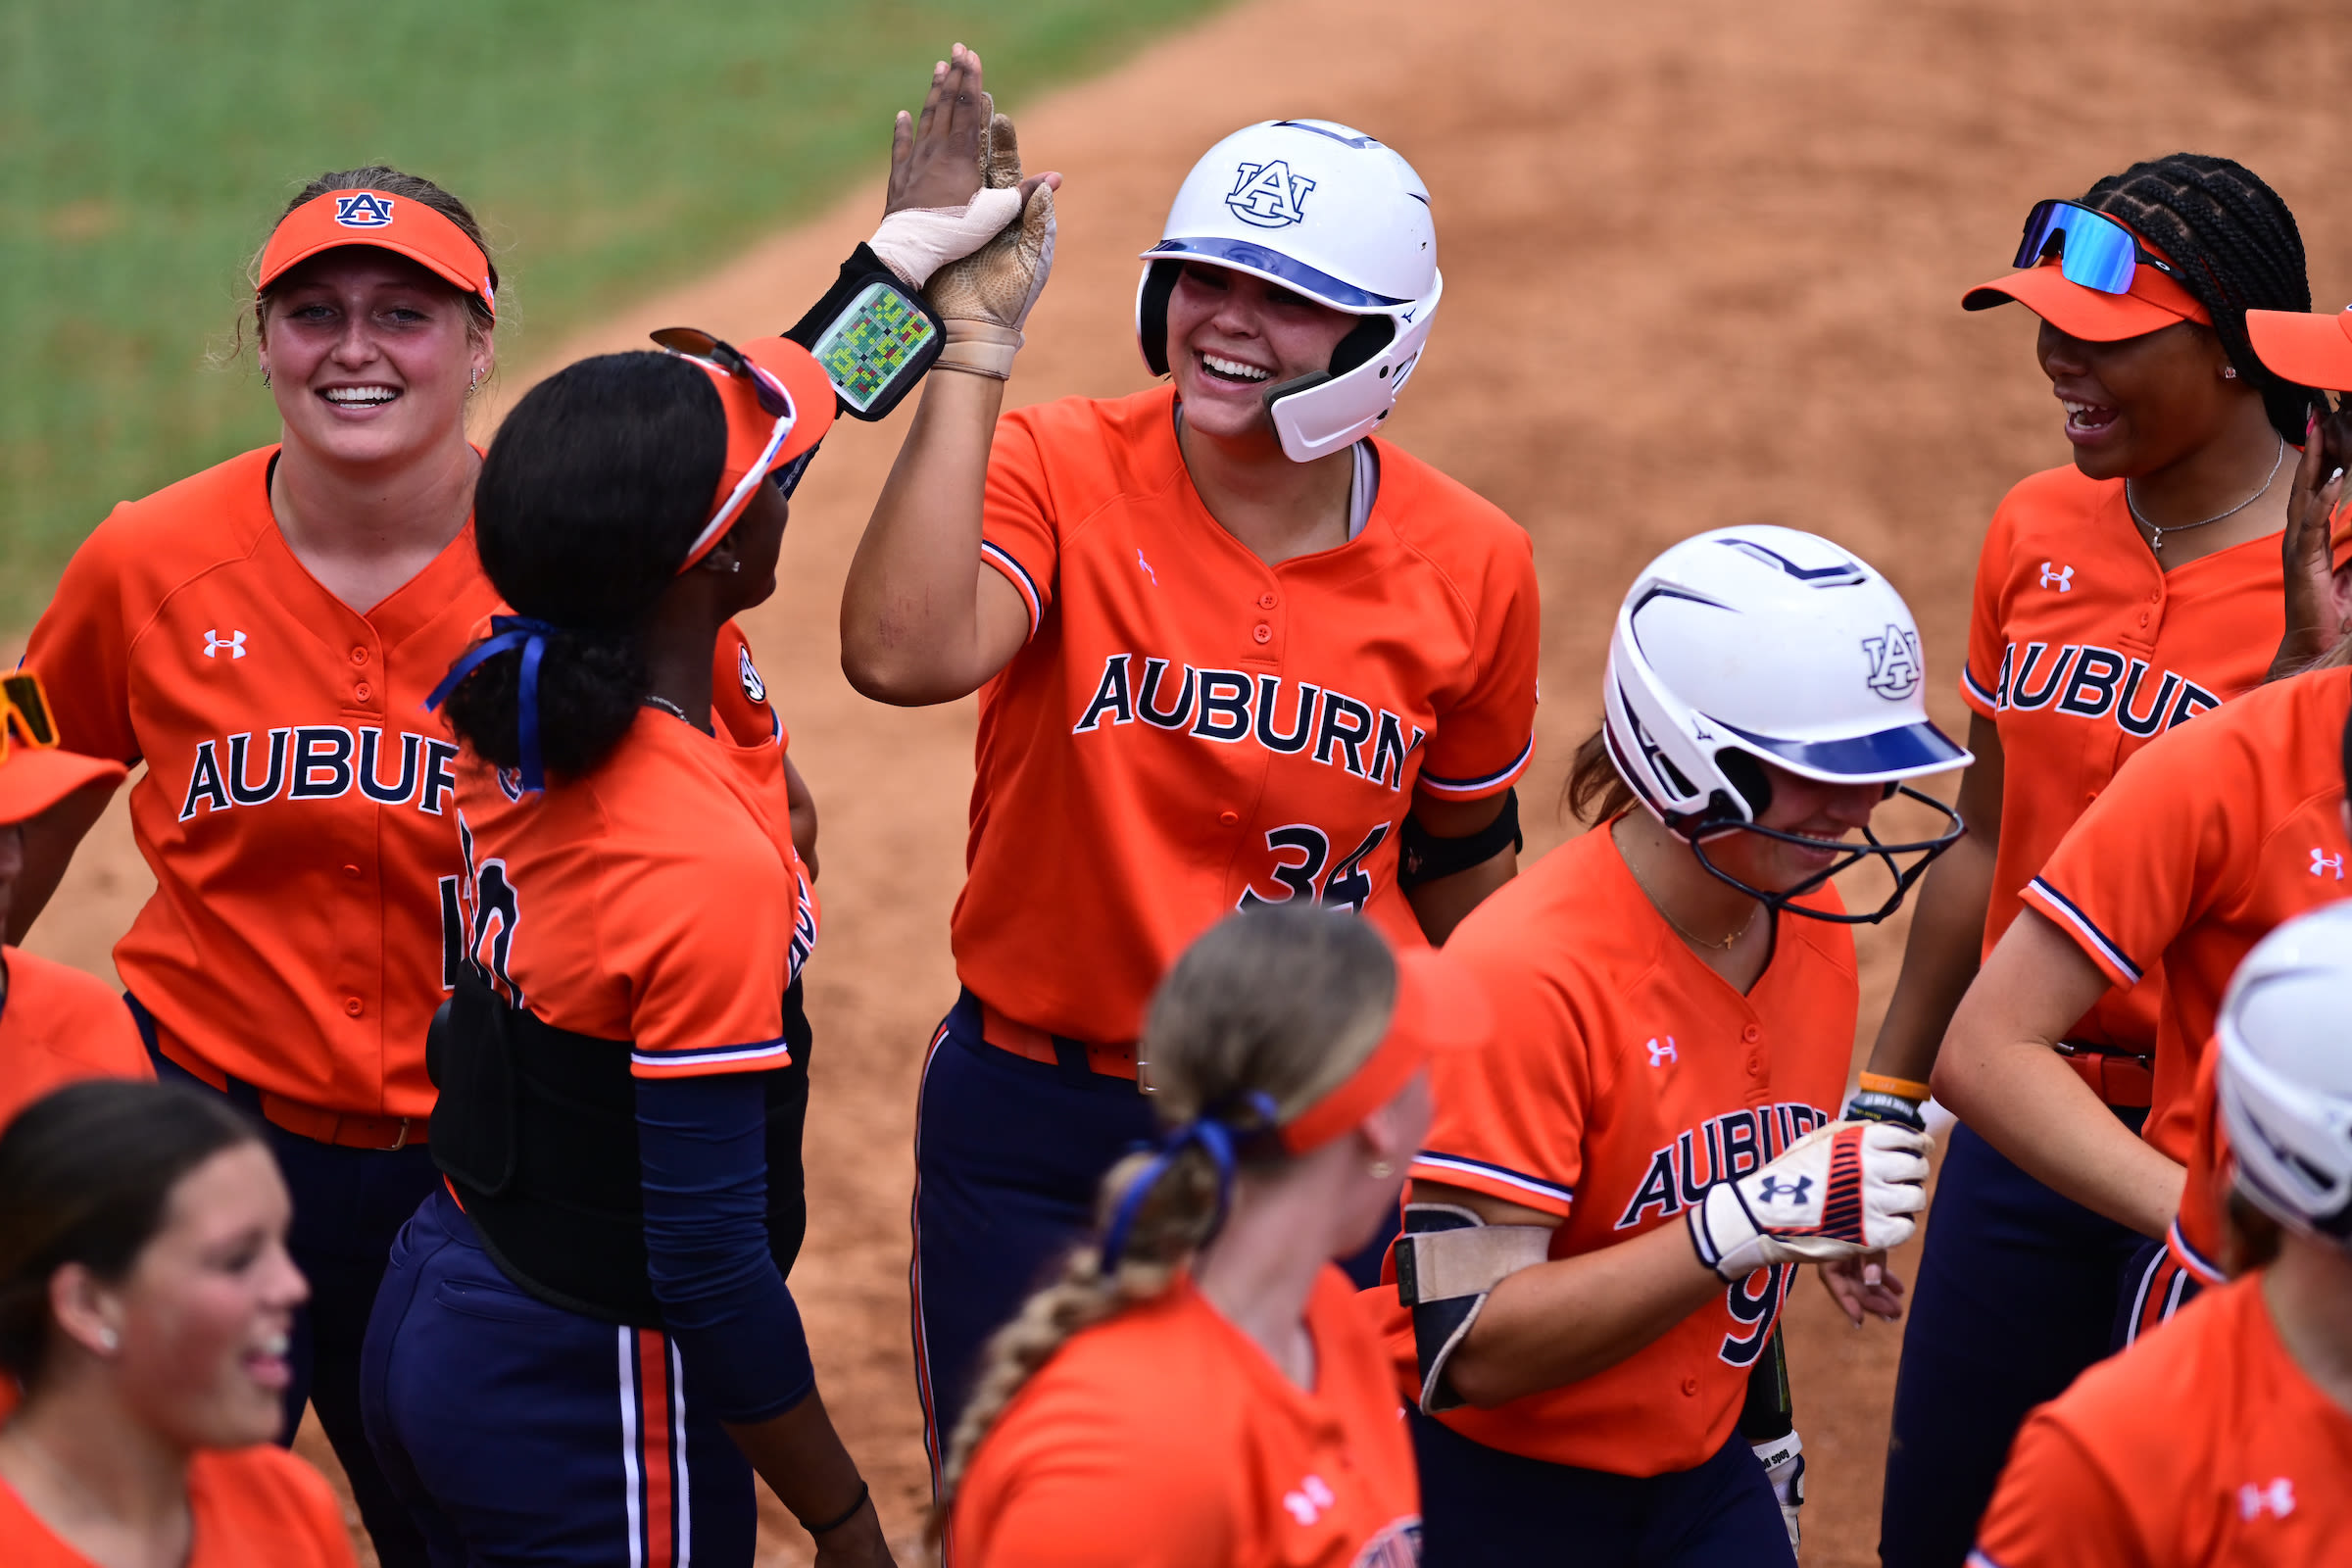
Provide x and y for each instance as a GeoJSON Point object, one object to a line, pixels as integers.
{"type": "Point", "coordinates": [341, 1129]}
{"type": "Point", "coordinates": [2116, 1077]}
{"type": "Point", "coordinates": [1026, 1040]}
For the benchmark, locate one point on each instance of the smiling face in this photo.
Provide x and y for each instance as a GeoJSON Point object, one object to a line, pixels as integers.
{"type": "Point", "coordinates": [1232, 335]}
{"type": "Point", "coordinates": [203, 1318]}
{"type": "Point", "coordinates": [369, 357]}
{"type": "Point", "coordinates": [1828, 813]}
{"type": "Point", "coordinates": [2141, 404]}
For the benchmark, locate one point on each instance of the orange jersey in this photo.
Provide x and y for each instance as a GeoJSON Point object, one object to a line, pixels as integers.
{"type": "Point", "coordinates": [657, 899]}
{"type": "Point", "coordinates": [2203, 1443]}
{"type": "Point", "coordinates": [2207, 840]}
{"type": "Point", "coordinates": [1166, 1437]}
{"type": "Point", "coordinates": [257, 1508]}
{"type": "Point", "coordinates": [2195, 1237]}
{"type": "Point", "coordinates": [294, 805]}
{"type": "Point", "coordinates": [59, 1026]}
{"type": "Point", "coordinates": [1626, 1077]}
{"type": "Point", "coordinates": [2079, 651]}
{"type": "Point", "coordinates": [1190, 730]}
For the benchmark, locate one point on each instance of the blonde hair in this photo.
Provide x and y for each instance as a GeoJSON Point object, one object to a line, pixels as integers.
{"type": "Point", "coordinates": [1285, 1003]}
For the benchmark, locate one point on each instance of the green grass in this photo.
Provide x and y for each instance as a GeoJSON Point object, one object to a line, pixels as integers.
{"type": "Point", "coordinates": [610, 147]}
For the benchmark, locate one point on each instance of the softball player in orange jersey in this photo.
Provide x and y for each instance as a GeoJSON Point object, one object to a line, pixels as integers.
{"type": "Point", "coordinates": [1229, 650]}
{"type": "Point", "coordinates": [262, 635]}
{"type": "Point", "coordinates": [1201, 1386]}
{"type": "Point", "coordinates": [57, 1024]}
{"type": "Point", "coordinates": [1607, 1212]}
{"type": "Point", "coordinates": [2226, 1435]}
{"type": "Point", "coordinates": [2116, 597]}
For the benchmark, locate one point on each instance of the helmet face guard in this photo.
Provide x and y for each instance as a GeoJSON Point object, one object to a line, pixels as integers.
{"type": "Point", "coordinates": [1721, 819]}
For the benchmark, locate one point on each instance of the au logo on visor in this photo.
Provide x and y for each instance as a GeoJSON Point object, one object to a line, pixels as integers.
{"type": "Point", "coordinates": [363, 210]}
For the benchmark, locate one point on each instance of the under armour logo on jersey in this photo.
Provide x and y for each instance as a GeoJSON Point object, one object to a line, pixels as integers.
{"type": "Point", "coordinates": [234, 642]}
{"type": "Point", "coordinates": [363, 209]}
{"type": "Point", "coordinates": [1269, 195]}
{"type": "Point", "coordinates": [1781, 1190]}
{"type": "Point", "coordinates": [1661, 1050]}
{"type": "Point", "coordinates": [1308, 1502]}
{"type": "Point", "coordinates": [2276, 1499]}
{"type": "Point", "coordinates": [1146, 566]}
{"type": "Point", "coordinates": [2061, 578]}
{"type": "Point", "coordinates": [753, 686]}
{"type": "Point", "coordinates": [2324, 864]}
{"type": "Point", "coordinates": [1893, 662]}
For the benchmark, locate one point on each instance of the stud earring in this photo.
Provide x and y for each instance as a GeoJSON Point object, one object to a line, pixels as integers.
{"type": "Point", "coordinates": [1382, 1170]}
{"type": "Point", "coordinates": [735, 565]}
{"type": "Point", "coordinates": [108, 1339]}
{"type": "Point", "coordinates": [2229, 372]}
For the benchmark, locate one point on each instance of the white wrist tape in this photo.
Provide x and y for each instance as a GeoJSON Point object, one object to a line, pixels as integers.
{"type": "Point", "coordinates": [919, 241]}
{"type": "Point", "coordinates": [980, 347]}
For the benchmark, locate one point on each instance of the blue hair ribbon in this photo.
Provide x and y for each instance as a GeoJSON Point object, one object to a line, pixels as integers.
{"type": "Point", "coordinates": [510, 631]}
{"type": "Point", "coordinates": [1216, 1135]}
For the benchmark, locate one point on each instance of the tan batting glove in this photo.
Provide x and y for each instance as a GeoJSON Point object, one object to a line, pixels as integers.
{"type": "Point", "coordinates": [984, 298]}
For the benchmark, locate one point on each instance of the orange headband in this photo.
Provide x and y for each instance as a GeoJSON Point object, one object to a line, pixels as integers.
{"type": "Point", "coordinates": [1441, 1006]}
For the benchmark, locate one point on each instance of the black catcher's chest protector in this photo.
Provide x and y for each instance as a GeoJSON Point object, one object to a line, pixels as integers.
{"type": "Point", "coordinates": [536, 1129]}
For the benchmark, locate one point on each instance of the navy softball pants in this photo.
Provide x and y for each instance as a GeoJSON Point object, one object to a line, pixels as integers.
{"type": "Point", "coordinates": [1484, 1508]}
{"type": "Point", "coordinates": [348, 1205]}
{"type": "Point", "coordinates": [2017, 1295]}
{"type": "Point", "coordinates": [518, 1432]}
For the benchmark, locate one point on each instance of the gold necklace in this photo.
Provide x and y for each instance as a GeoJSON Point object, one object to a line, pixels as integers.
{"type": "Point", "coordinates": [1679, 929]}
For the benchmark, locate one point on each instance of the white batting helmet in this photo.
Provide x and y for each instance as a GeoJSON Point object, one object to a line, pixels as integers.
{"type": "Point", "coordinates": [1769, 643]}
{"type": "Point", "coordinates": [1328, 213]}
{"type": "Point", "coordinates": [2285, 1075]}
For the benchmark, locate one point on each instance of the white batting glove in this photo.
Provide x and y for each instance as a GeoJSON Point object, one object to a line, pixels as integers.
{"type": "Point", "coordinates": [1783, 1462]}
{"type": "Point", "coordinates": [1848, 1187]}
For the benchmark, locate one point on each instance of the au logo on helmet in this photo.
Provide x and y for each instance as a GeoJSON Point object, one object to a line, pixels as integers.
{"type": "Point", "coordinates": [1269, 195]}
{"type": "Point", "coordinates": [363, 209]}
{"type": "Point", "coordinates": [1893, 662]}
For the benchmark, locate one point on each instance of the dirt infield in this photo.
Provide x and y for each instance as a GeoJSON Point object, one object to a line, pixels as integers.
{"type": "Point", "coordinates": [1702, 267]}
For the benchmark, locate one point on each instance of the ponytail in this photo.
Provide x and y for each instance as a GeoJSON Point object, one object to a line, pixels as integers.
{"type": "Point", "coordinates": [1264, 1014]}
{"type": "Point", "coordinates": [591, 496]}
{"type": "Point", "coordinates": [1595, 791]}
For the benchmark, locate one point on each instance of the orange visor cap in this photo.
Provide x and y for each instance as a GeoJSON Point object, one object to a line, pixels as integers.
{"type": "Point", "coordinates": [33, 778]}
{"type": "Point", "coordinates": [2307, 350]}
{"type": "Point", "coordinates": [401, 225]}
{"type": "Point", "coordinates": [2155, 301]}
{"type": "Point", "coordinates": [1441, 1006]}
{"type": "Point", "coordinates": [751, 451]}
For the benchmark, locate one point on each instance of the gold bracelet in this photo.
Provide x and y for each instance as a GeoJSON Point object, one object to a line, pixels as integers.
{"type": "Point", "coordinates": [1879, 1083]}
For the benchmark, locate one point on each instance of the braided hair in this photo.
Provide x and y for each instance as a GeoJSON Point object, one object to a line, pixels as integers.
{"type": "Point", "coordinates": [1287, 1002]}
{"type": "Point", "coordinates": [2236, 248]}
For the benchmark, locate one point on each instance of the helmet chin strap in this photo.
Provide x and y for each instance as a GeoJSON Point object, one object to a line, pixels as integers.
{"type": "Point", "coordinates": [1721, 817]}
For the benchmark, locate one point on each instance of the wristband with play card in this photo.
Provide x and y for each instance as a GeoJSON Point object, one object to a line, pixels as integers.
{"type": "Point", "coordinates": [875, 336]}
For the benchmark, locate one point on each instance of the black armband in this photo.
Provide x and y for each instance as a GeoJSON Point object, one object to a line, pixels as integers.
{"type": "Point", "coordinates": [1425, 858]}
{"type": "Point", "coordinates": [875, 336]}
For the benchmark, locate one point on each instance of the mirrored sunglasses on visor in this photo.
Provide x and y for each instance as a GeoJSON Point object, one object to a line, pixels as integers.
{"type": "Point", "coordinates": [2092, 248]}
{"type": "Point", "coordinates": [25, 713]}
{"type": "Point", "coordinates": [774, 400]}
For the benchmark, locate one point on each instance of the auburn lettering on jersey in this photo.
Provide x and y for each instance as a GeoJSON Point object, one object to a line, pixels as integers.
{"type": "Point", "coordinates": [2080, 649]}
{"type": "Point", "coordinates": [291, 805]}
{"type": "Point", "coordinates": [1190, 730]}
{"type": "Point", "coordinates": [1167, 1438]}
{"type": "Point", "coordinates": [2207, 839]}
{"type": "Point", "coordinates": [1625, 1076]}
{"type": "Point", "coordinates": [321, 762]}
{"type": "Point", "coordinates": [2203, 1443]}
